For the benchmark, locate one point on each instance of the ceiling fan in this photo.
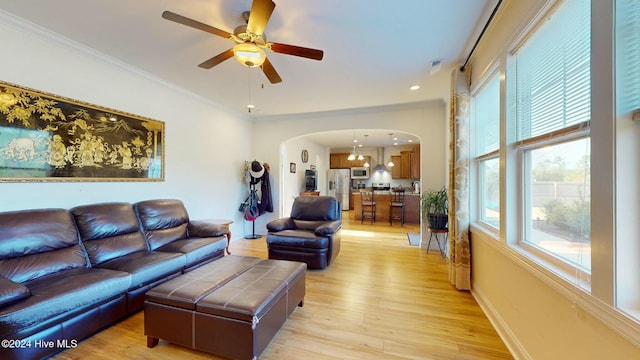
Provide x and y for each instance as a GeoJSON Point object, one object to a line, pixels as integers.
{"type": "Point", "coordinates": [250, 40]}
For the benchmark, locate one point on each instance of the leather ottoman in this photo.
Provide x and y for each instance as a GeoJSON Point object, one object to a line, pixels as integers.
{"type": "Point", "coordinates": [231, 307]}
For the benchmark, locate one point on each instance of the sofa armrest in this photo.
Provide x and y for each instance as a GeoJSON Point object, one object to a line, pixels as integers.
{"type": "Point", "coordinates": [12, 292]}
{"type": "Point", "coordinates": [329, 228]}
{"type": "Point", "coordinates": [203, 229]}
{"type": "Point", "coordinates": [281, 224]}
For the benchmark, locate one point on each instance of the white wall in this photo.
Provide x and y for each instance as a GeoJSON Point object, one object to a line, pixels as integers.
{"type": "Point", "coordinates": [205, 144]}
{"type": "Point", "coordinates": [293, 183]}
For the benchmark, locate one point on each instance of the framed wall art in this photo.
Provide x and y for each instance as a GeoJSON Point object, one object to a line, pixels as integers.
{"type": "Point", "coordinates": [44, 137]}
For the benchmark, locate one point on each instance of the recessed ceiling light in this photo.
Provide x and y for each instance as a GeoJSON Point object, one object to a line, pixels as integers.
{"type": "Point", "coordinates": [414, 87]}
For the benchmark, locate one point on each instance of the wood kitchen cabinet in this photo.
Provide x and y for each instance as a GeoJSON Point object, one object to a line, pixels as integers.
{"type": "Point", "coordinates": [396, 170]}
{"type": "Point", "coordinates": [415, 163]}
{"type": "Point", "coordinates": [407, 164]}
{"type": "Point", "coordinates": [340, 161]}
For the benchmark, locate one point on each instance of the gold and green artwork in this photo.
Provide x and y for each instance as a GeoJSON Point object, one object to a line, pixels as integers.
{"type": "Point", "coordinates": [45, 137]}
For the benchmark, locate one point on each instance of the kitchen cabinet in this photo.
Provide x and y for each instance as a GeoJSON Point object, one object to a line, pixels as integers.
{"type": "Point", "coordinates": [351, 200]}
{"type": "Point", "coordinates": [415, 163]}
{"type": "Point", "coordinates": [396, 170]}
{"type": "Point", "coordinates": [340, 161]}
{"type": "Point", "coordinates": [407, 164]}
{"type": "Point", "coordinates": [383, 198]}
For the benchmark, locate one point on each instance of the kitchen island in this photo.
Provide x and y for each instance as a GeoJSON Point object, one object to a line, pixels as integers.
{"type": "Point", "coordinates": [383, 199]}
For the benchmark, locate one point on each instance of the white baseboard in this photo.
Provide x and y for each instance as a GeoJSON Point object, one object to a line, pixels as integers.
{"type": "Point", "coordinates": [509, 339]}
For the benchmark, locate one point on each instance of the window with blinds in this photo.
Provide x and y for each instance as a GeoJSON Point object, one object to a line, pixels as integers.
{"type": "Point", "coordinates": [487, 117]}
{"type": "Point", "coordinates": [487, 143]}
{"type": "Point", "coordinates": [553, 86]}
{"type": "Point", "coordinates": [552, 117]}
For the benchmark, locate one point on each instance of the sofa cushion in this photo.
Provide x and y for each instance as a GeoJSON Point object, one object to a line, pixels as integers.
{"type": "Point", "coordinates": [329, 228]}
{"type": "Point", "coordinates": [281, 224]}
{"type": "Point", "coordinates": [60, 294]}
{"type": "Point", "coordinates": [205, 229]}
{"type": "Point", "coordinates": [316, 208]}
{"type": "Point", "coordinates": [197, 250]}
{"type": "Point", "coordinates": [109, 231]}
{"type": "Point", "coordinates": [147, 266]}
{"type": "Point", "coordinates": [162, 220]}
{"type": "Point", "coordinates": [11, 292]}
{"type": "Point", "coordinates": [298, 238]}
{"type": "Point", "coordinates": [35, 243]}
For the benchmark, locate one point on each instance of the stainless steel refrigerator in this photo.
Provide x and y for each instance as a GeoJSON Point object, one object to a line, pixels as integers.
{"type": "Point", "coordinates": [338, 185]}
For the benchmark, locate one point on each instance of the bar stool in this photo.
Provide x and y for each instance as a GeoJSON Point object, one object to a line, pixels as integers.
{"type": "Point", "coordinates": [397, 202]}
{"type": "Point", "coordinates": [367, 206]}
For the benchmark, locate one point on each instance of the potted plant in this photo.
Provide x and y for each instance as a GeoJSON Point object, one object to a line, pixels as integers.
{"type": "Point", "coordinates": [435, 207]}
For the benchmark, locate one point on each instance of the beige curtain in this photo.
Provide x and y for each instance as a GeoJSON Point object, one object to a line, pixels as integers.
{"type": "Point", "coordinates": [459, 246]}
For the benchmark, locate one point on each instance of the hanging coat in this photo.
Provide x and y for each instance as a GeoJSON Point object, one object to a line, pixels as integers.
{"type": "Point", "coordinates": [266, 201]}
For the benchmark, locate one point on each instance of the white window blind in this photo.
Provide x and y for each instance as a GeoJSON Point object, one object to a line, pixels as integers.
{"type": "Point", "coordinates": [628, 55]}
{"type": "Point", "coordinates": [553, 82]}
{"type": "Point", "coordinates": [487, 115]}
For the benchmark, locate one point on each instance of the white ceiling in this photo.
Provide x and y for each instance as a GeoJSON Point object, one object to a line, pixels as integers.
{"type": "Point", "coordinates": [373, 49]}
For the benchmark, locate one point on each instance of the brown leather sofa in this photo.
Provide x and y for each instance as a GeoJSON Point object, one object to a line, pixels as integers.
{"type": "Point", "coordinates": [311, 234]}
{"type": "Point", "coordinates": [66, 274]}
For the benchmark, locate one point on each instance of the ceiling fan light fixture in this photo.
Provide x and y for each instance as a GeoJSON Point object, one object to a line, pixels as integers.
{"type": "Point", "coordinates": [249, 54]}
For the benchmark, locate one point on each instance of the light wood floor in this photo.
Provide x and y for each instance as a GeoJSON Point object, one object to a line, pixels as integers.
{"type": "Point", "coordinates": [380, 299]}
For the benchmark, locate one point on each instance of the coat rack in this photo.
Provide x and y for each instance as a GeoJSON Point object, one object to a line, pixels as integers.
{"type": "Point", "coordinates": [253, 203]}
{"type": "Point", "coordinates": [257, 173]}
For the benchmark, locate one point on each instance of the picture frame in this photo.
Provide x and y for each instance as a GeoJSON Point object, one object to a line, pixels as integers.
{"type": "Point", "coordinates": [46, 137]}
{"type": "Point", "coordinates": [292, 168]}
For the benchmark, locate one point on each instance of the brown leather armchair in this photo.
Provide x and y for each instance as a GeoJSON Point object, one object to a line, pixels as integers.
{"type": "Point", "coordinates": [311, 234]}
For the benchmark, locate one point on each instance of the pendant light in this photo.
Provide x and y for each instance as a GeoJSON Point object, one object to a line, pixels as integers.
{"type": "Point", "coordinates": [390, 163]}
{"type": "Point", "coordinates": [352, 156]}
{"type": "Point", "coordinates": [366, 164]}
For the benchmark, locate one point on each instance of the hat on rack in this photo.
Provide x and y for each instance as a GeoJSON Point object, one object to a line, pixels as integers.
{"type": "Point", "coordinates": [256, 169]}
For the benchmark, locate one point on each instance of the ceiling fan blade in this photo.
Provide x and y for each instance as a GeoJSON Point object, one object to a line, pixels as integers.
{"type": "Point", "coordinates": [259, 16]}
{"type": "Point", "coordinates": [270, 72]}
{"type": "Point", "coordinates": [296, 51]}
{"type": "Point", "coordinates": [195, 24]}
{"type": "Point", "coordinates": [217, 59]}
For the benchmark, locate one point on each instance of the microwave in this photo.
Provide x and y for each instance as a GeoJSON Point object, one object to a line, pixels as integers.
{"type": "Point", "coordinates": [359, 172]}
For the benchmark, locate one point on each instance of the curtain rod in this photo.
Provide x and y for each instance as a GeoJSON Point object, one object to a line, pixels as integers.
{"type": "Point", "coordinates": [481, 33]}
